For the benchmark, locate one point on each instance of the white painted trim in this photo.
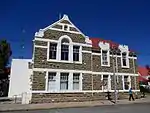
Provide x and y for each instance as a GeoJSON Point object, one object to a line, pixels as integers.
{"type": "Point", "coordinates": [65, 30]}
{"type": "Point", "coordinates": [58, 53]}
{"type": "Point", "coordinates": [96, 54]}
{"type": "Point", "coordinates": [65, 17]}
{"type": "Point", "coordinates": [63, 61]}
{"type": "Point", "coordinates": [127, 60]}
{"type": "Point", "coordinates": [108, 58]}
{"type": "Point", "coordinates": [37, 46]}
{"type": "Point", "coordinates": [56, 41]}
{"type": "Point", "coordinates": [62, 24]}
{"type": "Point", "coordinates": [57, 82]}
{"type": "Point", "coordinates": [102, 73]}
{"type": "Point", "coordinates": [48, 51]}
{"type": "Point", "coordinates": [118, 56]}
{"type": "Point", "coordinates": [84, 51]}
{"type": "Point", "coordinates": [132, 57]}
{"type": "Point", "coordinates": [84, 91]}
{"type": "Point", "coordinates": [82, 71]}
{"type": "Point", "coordinates": [46, 83]}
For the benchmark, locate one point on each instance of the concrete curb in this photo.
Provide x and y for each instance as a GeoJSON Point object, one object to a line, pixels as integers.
{"type": "Point", "coordinates": [67, 106]}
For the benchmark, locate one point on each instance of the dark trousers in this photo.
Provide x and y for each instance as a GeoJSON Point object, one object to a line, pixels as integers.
{"type": "Point", "coordinates": [131, 96]}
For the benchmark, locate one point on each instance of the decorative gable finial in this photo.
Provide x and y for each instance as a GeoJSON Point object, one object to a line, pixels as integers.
{"type": "Point", "coordinates": [65, 17]}
{"type": "Point", "coordinates": [123, 48]}
{"type": "Point", "coordinates": [104, 45]}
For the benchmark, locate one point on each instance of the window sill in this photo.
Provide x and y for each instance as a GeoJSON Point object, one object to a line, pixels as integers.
{"type": "Point", "coordinates": [63, 61]}
{"type": "Point", "coordinates": [125, 67]}
{"type": "Point", "coordinates": [60, 91]}
{"type": "Point", "coordinates": [105, 65]}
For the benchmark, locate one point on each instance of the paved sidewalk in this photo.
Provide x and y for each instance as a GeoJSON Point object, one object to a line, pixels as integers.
{"type": "Point", "coordinates": [17, 107]}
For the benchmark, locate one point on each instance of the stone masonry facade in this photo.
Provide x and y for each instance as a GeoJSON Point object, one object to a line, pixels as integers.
{"type": "Point", "coordinates": [90, 67]}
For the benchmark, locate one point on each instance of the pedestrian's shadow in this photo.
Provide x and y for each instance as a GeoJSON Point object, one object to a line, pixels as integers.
{"type": "Point", "coordinates": [112, 101]}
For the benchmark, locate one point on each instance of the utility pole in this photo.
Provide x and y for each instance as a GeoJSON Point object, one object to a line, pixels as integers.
{"type": "Point", "coordinates": [114, 75]}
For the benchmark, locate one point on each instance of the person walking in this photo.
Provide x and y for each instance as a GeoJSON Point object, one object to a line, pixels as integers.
{"type": "Point", "coordinates": [131, 94]}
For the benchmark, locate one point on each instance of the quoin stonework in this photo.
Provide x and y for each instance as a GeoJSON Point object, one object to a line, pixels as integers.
{"type": "Point", "coordinates": [69, 66]}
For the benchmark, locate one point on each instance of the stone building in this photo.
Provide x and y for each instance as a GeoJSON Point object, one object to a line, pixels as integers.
{"type": "Point", "coordinates": [69, 66]}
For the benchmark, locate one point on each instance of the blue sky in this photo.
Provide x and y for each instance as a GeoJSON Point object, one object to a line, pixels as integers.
{"type": "Point", "coordinates": [123, 21]}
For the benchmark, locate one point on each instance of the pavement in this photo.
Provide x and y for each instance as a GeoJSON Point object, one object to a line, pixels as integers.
{"type": "Point", "coordinates": [46, 106]}
{"type": "Point", "coordinates": [133, 108]}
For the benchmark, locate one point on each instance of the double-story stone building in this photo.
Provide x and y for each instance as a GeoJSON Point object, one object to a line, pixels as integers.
{"type": "Point", "coordinates": [69, 66]}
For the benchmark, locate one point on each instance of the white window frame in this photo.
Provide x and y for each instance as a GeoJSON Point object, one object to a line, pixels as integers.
{"type": "Point", "coordinates": [108, 58]}
{"type": "Point", "coordinates": [67, 81]}
{"type": "Point", "coordinates": [49, 50]}
{"type": "Point", "coordinates": [58, 52]}
{"type": "Point", "coordinates": [127, 60]}
{"type": "Point", "coordinates": [109, 83]}
{"type": "Point", "coordinates": [76, 81]}
{"type": "Point", "coordinates": [76, 52]}
{"type": "Point", "coordinates": [129, 80]}
{"type": "Point", "coordinates": [53, 80]}
{"type": "Point", "coordinates": [70, 82]}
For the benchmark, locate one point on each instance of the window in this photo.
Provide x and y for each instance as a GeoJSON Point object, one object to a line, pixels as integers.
{"type": "Point", "coordinates": [64, 52]}
{"type": "Point", "coordinates": [76, 78]}
{"type": "Point", "coordinates": [65, 49]}
{"type": "Point", "coordinates": [65, 27]}
{"type": "Point", "coordinates": [76, 53]}
{"type": "Point", "coordinates": [53, 50]}
{"type": "Point", "coordinates": [126, 82]}
{"type": "Point", "coordinates": [51, 81]}
{"type": "Point", "coordinates": [64, 81]}
{"type": "Point", "coordinates": [124, 59]}
{"type": "Point", "coordinates": [105, 82]}
{"type": "Point", "coordinates": [104, 58]}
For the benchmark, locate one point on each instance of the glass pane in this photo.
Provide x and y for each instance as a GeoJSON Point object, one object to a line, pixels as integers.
{"type": "Point", "coordinates": [51, 76]}
{"type": "Point", "coordinates": [104, 58]}
{"type": "Point", "coordinates": [76, 49]}
{"type": "Point", "coordinates": [52, 52]}
{"type": "Point", "coordinates": [76, 76]}
{"type": "Point", "coordinates": [51, 85]}
{"type": "Point", "coordinates": [64, 52]}
{"type": "Point", "coordinates": [75, 56]}
{"type": "Point", "coordinates": [76, 86]}
{"type": "Point", "coordinates": [64, 85]}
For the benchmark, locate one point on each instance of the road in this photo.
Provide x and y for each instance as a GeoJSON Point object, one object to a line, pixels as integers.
{"type": "Point", "coordinates": [134, 108]}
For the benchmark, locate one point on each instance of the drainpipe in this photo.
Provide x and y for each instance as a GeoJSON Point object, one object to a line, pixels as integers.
{"type": "Point", "coordinates": [117, 72]}
{"type": "Point", "coordinates": [134, 73]}
{"type": "Point", "coordinates": [114, 75]}
{"type": "Point", "coordinates": [92, 71]}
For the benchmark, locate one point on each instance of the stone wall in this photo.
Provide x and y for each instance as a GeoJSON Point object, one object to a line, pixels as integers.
{"type": "Point", "coordinates": [87, 82]}
{"type": "Point", "coordinates": [38, 81]}
{"type": "Point", "coordinates": [55, 35]}
{"type": "Point", "coordinates": [125, 70]}
{"type": "Point", "coordinates": [97, 65]}
{"type": "Point", "coordinates": [97, 82]}
{"type": "Point", "coordinates": [57, 26]}
{"type": "Point", "coordinates": [66, 97]}
{"type": "Point", "coordinates": [119, 82]}
{"type": "Point", "coordinates": [40, 43]}
{"type": "Point", "coordinates": [75, 97]}
{"type": "Point", "coordinates": [40, 61]}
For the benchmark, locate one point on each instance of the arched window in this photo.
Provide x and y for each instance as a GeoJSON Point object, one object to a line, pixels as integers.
{"type": "Point", "coordinates": [64, 49]}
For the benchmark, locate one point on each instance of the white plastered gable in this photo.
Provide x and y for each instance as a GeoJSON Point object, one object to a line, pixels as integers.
{"type": "Point", "coordinates": [124, 49]}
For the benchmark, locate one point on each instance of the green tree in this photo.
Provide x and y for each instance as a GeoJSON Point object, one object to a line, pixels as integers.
{"type": "Point", "coordinates": [5, 54]}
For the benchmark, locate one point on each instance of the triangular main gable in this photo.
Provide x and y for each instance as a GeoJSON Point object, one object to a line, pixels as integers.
{"type": "Point", "coordinates": [64, 24]}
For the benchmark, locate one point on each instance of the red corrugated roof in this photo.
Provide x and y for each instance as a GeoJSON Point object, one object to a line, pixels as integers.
{"type": "Point", "coordinates": [95, 42]}
{"type": "Point", "coordinates": [143, 71]}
